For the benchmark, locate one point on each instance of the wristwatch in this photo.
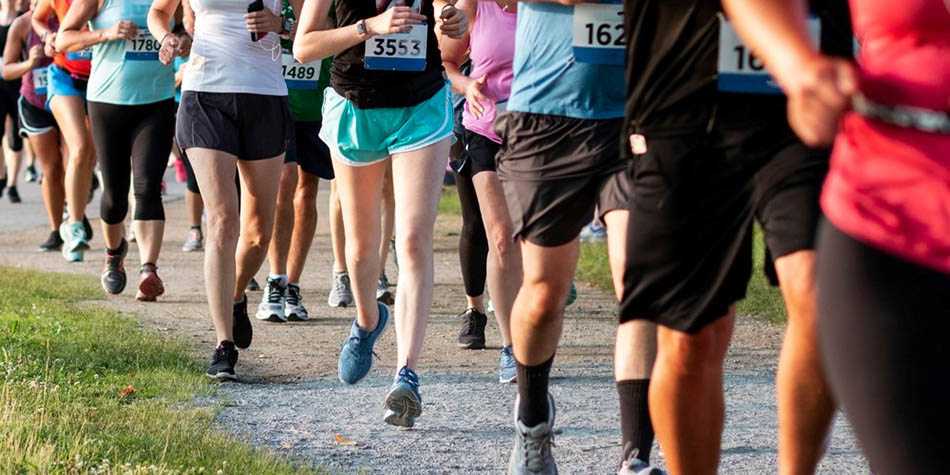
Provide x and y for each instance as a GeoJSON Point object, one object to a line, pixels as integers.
{"type": "Point", "coordinates": [287, 26]}
{"type": "Point", "coordinates": [361, 29]}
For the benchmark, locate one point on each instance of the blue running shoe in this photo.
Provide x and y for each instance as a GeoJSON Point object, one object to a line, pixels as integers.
{"type": "Point", "coordinates": [507, 373]}
{"type": "Point", "coordinates": [74, 241]}
{"type": "Point", "coordinates": [356, 356]}
{"type": "Point", "coordinates": [404, 403]}
{"type": "Point", "coordinates": [572, 296]}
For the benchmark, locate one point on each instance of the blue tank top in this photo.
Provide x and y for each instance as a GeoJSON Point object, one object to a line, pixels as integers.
{"type": "Point", "coordinates": [549, 79]}
{"type": "Point", "coordinates": [127, 72]}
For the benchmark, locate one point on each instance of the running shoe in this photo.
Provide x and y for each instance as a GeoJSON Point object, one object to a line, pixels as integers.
{"type": "Point", "coordinates": [341, 295]}
{"type": "Point", "coordinates": [195, 241]}
{"type": "Point", "coordinates": [131, 234]}
{"type": "Point", "coordinates": [31, 175]}
{"type": "Point", "coordinates": [243, 331]}
{"type": "Point", "coordinates": [531, 454]}
{"type": "Point", "coordinates": [53, 242]}
{"type": "Point", "coordinates": [594, 232]}
{"type": "Point", "coordinates": [87, 228]}
{"type": "Point", "coordinates": [472, 334]}
{"type": "Point", "coordinates": [253, 286]}
{"type": "Point", "coordinates": [572, 296]}
{"type": "Point", "coordinates": [113, 272]}
{"type": "Point", "coordinates": [633, 466]}
{"type": "Point", "coordinates": [404, 403]}
{"type": "Point", "coordinates": [507, 373]}
{"type": "Point", "coordinates": [223, 359]}
{"type": "Point", "coordinates": [150, 284]}
{"type": "Point", "coordinates": [293, 304]}
{"type": "Point", "coordinates": [271, 308]}
{"type": "Point", "coordinates": [74, 241]}
{"type": "Point", "coordinates": [356, 356]}
{"type": "Point", "coordinates": [14, 195]}
{"type": "Point", "coordinates": [93, 187]}
{"type": "Point", "coordinates": [382, 291]}
{"type": "Point", "coordinates": [3, 184]}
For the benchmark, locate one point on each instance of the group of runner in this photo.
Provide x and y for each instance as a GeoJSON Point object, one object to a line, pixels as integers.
{"type": "Point", "coordinates": [653, 117]}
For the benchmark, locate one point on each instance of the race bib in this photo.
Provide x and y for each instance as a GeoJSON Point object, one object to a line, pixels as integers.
{"type": "Point", "coordinates": [143, 47]}
{"type": "Point", "coordinates": [740, 70]}
{"type": "Point", "coordinates": [598, 33]}
{"type": "Point", "coordinates": [81, 54]}
{"type": "Point", "coordinates": [299, 76]}
{"type": "Point", "coordinates": [40, 80]}
{"type": "Point", "coordinates": [398, 51]}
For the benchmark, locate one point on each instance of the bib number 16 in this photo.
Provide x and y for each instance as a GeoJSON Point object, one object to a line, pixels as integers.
{"type": "Point", "coordinates": [599, 33]}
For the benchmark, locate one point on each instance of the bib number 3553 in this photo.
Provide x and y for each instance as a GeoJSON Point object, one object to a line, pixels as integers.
{"type": "Point", "coordinates": [598, 33]}
{"type": "Point", "coordinates": [398, 51]}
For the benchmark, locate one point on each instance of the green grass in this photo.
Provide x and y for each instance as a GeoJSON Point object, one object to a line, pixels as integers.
{"type": "Point", "coordinates": [63, 367]}
{"type": "Point", "coordinates": [449, 204]}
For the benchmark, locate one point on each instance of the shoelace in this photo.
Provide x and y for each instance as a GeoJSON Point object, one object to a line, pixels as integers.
{"type": "Point", "coordinates": [470, 322]}
{"type": "Point", "coordinates": [293, 295]}
{"type": "Point", "coordinates": [273, 291]}
{"type": "Point", "coordinates": [340, 285]}
{"type": "Point", "coordinates": [536, 450]}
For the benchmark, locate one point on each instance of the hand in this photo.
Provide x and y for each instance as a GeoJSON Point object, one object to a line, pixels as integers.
{"type": "Point", "coordinates": [394, 20]}
{"type": "Point", "coordinates": [817, 98]}
{"type": "Point", "coordinates": [454, 22]}
{"type": "Point", "coordinates": [122, 30]}
{"type": "Point", "coordinates": [263, 22]}
{"type": "Point", "coordinates": [170, 47]}
{"type": "Point", "coordinates": [49, 49]}
{"type": "Point", "coordinates": [35, 54]}
{"type": "Point", "coordinates": [184, 44]}
{"type": "Point", "coordinates": [474, 97]}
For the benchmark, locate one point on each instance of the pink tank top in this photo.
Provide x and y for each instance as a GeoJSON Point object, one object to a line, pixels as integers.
{"type": "Point", "coordinates": [889, 186]}
{"type": "Point", "coordinates": [492, 44]}
{"type": "Point", "coordinates": [34, 83]}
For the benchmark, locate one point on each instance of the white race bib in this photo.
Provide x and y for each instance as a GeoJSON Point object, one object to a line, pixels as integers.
{"type": "Point", "coordinates": [299, 76]}
{"type": "Point", "coordinates": [143, 47]}
{"type": "Point", "coordinates": [40, 80]}
{"type": "Point", "coordinates": [598, 33]}
{"type": "Point", "coordinates": [740, 70]}
{"type": "Point", "coordinates": [398, 51]}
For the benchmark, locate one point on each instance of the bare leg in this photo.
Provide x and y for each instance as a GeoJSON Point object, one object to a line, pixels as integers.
{"type": "Point", "coordinates": [71, 118]}
{"type": "Point", "coordinates": [283, 220]}
{"type": "Point", "coordinates": [388, 218]}
{"type": "Point", "coordinates": [260, 180]}
{"type": "Point", "coordinates": [305, 224]}
{"type": "Point", "coordinates": [337, 230]}
{"type": "Point", "coordinates": [148, 237]}
{"type": "Point", "coordinates": [47, 149]}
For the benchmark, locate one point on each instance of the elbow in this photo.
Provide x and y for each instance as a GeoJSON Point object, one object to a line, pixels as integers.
{"type": "Point", "coordinates": [7, 74]}
{"type": "Point", "coordinates": [303, 54]}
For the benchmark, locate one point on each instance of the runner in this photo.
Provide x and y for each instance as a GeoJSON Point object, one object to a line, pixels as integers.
{"type": "Point", "coordinates": [233, 117]}
{"type": "Point", "coordinates": [307, 160]}
{"type": "Point", "coordinates": [23, 57]}
{"type": "Point", "coordinates": [882, 267]}
{"type": "Point", "coordinates": [490, 44]}
{"type": "Point", "coordinates": [66, 98]}
{"type": "Point", "coordinates": [559, 160]}
{"type": "Point", "coordinates": [714, 151]}
{"type": "Point", "coordinates": [195, 240]}
{"type": "Point", "coordinates": [131, 106]}
{"type": "Point", "coordinates": [9, 95]}
{"type": "Point", "coordinates": [388, 100]}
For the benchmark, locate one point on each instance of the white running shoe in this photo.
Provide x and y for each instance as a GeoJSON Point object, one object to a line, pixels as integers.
{"type": "Point", "coordinates": [293, 304]}
{"type": "Point", "coordinates": [341, 295]}
{"type": "Point", "coordinates": [271, 308]}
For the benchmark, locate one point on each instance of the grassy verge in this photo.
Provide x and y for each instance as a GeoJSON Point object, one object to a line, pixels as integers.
{"type": "Point", "coordinates": [85, 390]}
{"type": "Point", "coordinates": [449, 204]}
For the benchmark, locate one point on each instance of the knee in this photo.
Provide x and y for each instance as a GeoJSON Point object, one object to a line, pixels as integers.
{"type": "Point", "coordinates": [545, 300]}
{"type": "Point", "coordinates": [306, 194]}
{"type": "Point", "coordinates": [114, 207]}
{"type": "Point", "coordinates": [413, 245]}
{"type": "Point", "coordinates": [796, 275]}
{"type": "Point", "coordinates": [691, 353]}
{"type": "Point", "coordinates": [223, 228]}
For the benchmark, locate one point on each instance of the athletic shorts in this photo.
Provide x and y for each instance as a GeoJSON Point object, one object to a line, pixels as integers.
{"type": "Point", "coordinates": [61, 83]}
{"type": "Point", "coordinates": [556, 171]}
{"type": "Point", "coordinates": [364, 136]}
{"type": "Point", "coordinates": [309, 152]}
{"type": "Point", "coordinates": [33, 120]}
{"type": "Point", "coordinates": [478, 155]}
{"type": "Point", "coordinates": [248, 126]}
{"type": "Point", "coordinates": [689, 243]}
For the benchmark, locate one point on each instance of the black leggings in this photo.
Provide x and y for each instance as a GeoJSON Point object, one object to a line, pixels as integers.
{"type": "Point", "coordinates": [10, 115]}
{"type": "Point", "coordinates": [473, 242]}
{"type": "Point", "coordinates": [883, 324]}
{"type": "Point", "coordinates": [144, 133]}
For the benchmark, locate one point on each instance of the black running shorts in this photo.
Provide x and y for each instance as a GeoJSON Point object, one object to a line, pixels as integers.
{"type": "Point", "coordinates": [309, 151]}
{"type": "Point", "coordinates": [689, 241]}
{"type": "Point", "coordinates": [248, 126]}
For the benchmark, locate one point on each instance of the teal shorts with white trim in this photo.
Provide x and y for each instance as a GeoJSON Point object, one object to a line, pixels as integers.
{"type": "Point", "coordinates": [360, 137]}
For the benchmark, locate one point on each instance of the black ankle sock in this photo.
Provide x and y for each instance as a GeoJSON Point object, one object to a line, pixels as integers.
{"type": "Point", "coordinates": [533, 392]}
{"type": "Point", "coordinates": [635, 425]}
{"type": "Point", "coordinates": [116, 251]}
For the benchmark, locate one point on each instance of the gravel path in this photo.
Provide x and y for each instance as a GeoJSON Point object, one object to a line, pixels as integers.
{"type": "Point", "coordinates": [291, 401]}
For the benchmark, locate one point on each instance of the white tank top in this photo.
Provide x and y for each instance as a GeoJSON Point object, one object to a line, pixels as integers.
{"type": "Point", "coordinates": [223, 57]}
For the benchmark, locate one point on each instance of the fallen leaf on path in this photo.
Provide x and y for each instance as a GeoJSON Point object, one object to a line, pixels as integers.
{"type": "Point", "coordinates": [287, 446]}
{"type": "Point", "coordinates": [126, 391]}
{"type": "Point", "coordinates": [261, 355]}
{"type": "Point", "coordinates": [340, 440]}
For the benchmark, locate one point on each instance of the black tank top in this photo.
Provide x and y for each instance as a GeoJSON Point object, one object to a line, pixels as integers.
{"type": "Point", "coordinates": [368, 89]}
{"type": "Point", "coordinates": [13, 85]}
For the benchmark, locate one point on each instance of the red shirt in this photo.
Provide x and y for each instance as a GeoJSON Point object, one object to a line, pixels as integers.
{"type": "Point", "coordinates": [890, 186]}
{"type": "Point", "coordinates": [69, 61]}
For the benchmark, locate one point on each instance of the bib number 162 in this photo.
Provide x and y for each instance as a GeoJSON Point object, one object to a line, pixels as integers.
{"type": "Point", "coordinates": [604, 34]}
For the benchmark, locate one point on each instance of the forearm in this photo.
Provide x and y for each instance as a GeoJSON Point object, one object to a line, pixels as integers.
{"type": "Point", "coordinates": [13, 71]}
{"type": "Point", "coordinates": [159, 23]}
{"type": "Point", "coordinates": [776, 31]}
{"type": "Point", "coordinates": [459, 81]}
{"type": "Point", "coordinates": [76, 40]}
{"type": "Point", "coordinates": [318, 44]}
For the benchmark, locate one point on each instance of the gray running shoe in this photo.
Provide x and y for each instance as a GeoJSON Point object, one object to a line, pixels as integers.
{"type": "Point", "coordinates": [382, 291]}
{"type": "Point", "coordinates": [341, 295]}
{"type": "Point", "coordinates": [271, 307]}
{"type": "Point", "coordinates": [293, 304]}
{"type": "Point", "coordinates": [634, 466]}
{"type": "Point", "coordinates": [531, 454]}
{"type": "Point", "coordinates": [507, 373]}
{"type": "Point", "coordinates": [195, 241]}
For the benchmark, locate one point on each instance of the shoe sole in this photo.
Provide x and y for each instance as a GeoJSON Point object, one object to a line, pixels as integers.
{"type": "Point", "coordinates": [475, 345]}
{"type": "Point", "coordinates": [222, 376]}
{"type": "Point", "coordinates": [513, 379]}
{"type": "Point", "coordinates": [387, 298]}
{"type": "Point", "coordinates": [273, 317]}
{"type": "Point", "coordinates": [402, 408]}
{"type": "Point", "coordinates": [339, 305]}
{"type": "Point", "coordinates": [197, 249]}
{"type": "Point", "coordinates": [294, 318]}
{"type": "Point", "coordinates": [150, 288]}
{"type": "Point", "coordinates": [49, 249]}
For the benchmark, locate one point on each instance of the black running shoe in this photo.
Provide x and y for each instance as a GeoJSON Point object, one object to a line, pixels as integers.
{"type": "Point", "coordinates": [223, 359]}
{"type": "Point", "coordinates": [253, 286]}
{"type": "Point", "coordinates": [113, 274]}
{"type": "Point", "coordinates": [3, 184]}
{"type": "Point", "coordinates": [93, 187]}
{"type": "Point", "coordinates": [31, 175]}
{"type": "Point", "coordinates": [13, 194]}
{"type": "Point", "coordinates": [243, 331]}
{"type": "Point", "coordinates": [53, 243]}
{"type": "Point", "coordinates": [87, 228]}
{"type": "Point", "coordinates": [472, 335]}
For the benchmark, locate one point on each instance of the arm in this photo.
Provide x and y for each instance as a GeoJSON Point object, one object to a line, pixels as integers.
{"type": "Point", "coordinates": [819, 88]}
{"type": "Point", "coordinates": [13, 68]}
{"type": "Point", "coordinates": [454, 52]}
{"type": "Point", "coordinates": [40, 23]}
{"type": "Point", "coordinates": [71, 36]}
{"type": "Point", "coordinates": [315, 42]}
{"type": "Point", "coordinates": [160, 17]}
